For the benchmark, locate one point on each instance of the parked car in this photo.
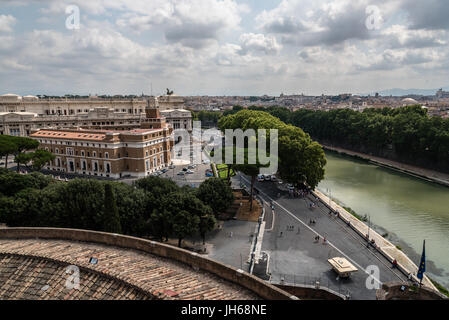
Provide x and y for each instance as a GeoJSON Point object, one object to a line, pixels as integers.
{"type": "Point", "coordinates": [181, 173]}
{"type": "Point", "coordinates": [267, 177]}
{"type": "Point", "coordinates": [273, 178]}
{"type": "Point", "coordinates": [164, 170]}
{"type": "Point", "coordinates": [260, 178]}
{"type": "Point", "coordinates": [184, 169]}
{"type": "Point", "coordinates": [172, 166]}
{"type": "Point", "coordinates": [192, 166]}
{"type": "Point", "coordinates": [290, 187]}
{"type": "Point", "coordinates": [189, 172]}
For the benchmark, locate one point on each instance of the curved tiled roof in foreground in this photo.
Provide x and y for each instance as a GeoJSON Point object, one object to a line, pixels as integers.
{"type": "Point", "coordinates": [34, 265]}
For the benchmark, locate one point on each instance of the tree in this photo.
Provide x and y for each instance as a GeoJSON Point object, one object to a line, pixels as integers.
{"type": "Point", "coordinates": [7, 147]}
{"type": "Point", "coordinates": [157, 186]}
{"type": "Point", "coordinates": [251, 170]}
{"type": "Point", "coordinates": [215, 193]}
{"type": "Point", "coordinates": [12, 183]}
{"type": "Point", "coordinates": [111, 215]}
{"type": "Point", "coordinates": [294, 144]}
{"type": "Point", "coordinates": [185, 224]}
{"type": "Point", "coordinates": [24, 144]}
{"type": "Point", "coordinates": [207, 224]}
{"type": "Point", "coordinates": [40, 158]}
{"type": "Point", "coordinates": [83, 201]}
{"type": "Point", "coordinates": [134, 207]}
{"type": "Point", "coordinates": [161, 223]}
{"type": "Point", "coordinates": [23, 158]}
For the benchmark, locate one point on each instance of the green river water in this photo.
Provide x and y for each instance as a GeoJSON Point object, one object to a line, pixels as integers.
{"type": "Point", "coordinates": [407, 208]}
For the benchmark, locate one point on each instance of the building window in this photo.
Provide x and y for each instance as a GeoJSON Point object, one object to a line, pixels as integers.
{"type": "Point", "coordinates": [14, 132]}
{"type": "Point", "coordinates": [106, 155]}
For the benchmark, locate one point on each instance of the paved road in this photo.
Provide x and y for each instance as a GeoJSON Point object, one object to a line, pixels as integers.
{"type": "Point", "coordinates": [297, 258]}
{"type": "Point", "coordinates": [194, 179]}
{"type": "Point", "coordinates": [235, 250]}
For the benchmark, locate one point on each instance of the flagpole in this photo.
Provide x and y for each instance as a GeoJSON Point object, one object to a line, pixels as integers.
{"type": "Point", "coordinates": [422, 264]}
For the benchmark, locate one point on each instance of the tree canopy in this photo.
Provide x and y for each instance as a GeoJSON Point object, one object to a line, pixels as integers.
{"type": "Point", "coordinates": [301, 160]}
{"type": "Point", "coordinates": [152, 207]}
{"type": "Point", "coordinates": [215, 193]}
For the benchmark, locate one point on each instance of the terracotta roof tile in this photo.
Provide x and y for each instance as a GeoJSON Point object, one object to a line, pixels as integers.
{"type": "Point", "coordinates": [119, 274]}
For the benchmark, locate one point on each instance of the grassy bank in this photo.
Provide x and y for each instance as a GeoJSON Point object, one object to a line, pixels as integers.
{"type": "Point", "coordinates": [355, 214]}
{"type": "Point", "coordinates": [440, 288]}
{"type": "Point", "coordinates": [223, 171]}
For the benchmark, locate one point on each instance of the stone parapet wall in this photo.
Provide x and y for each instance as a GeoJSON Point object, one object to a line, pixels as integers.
{"type": "Point", "coordinates": [197, 262]}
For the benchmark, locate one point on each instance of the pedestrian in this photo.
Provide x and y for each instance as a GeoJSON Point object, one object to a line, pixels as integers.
{"type": "Point", "coordinates": [280, 234]}
{"type": "Point", "coordinates": [231, 234]}
{"type": "Point", "coordinates": [395, 264]}
{"type": "Point", "coordinates": [324, 240]}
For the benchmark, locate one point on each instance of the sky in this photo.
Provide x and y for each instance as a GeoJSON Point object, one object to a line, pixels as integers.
{"type": "Point", "coordinates": [222, 47]}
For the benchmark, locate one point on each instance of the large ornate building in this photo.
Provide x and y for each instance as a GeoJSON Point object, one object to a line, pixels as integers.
{"type": "Point", "coordinates": [110, 153]}
{"type": "Point", "coordinates": [19, 115]}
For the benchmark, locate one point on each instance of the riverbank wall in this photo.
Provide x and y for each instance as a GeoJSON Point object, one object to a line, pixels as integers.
{"type": "Point", "coordinates": [420, 173]}
{"type": "Point", "coordinates": [385, 247]}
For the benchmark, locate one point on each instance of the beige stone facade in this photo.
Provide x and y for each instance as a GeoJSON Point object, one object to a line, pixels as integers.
{"type": "Point", "coordinates": [20, 115]}
{"type": "Point", "coordinates": [110, 153]}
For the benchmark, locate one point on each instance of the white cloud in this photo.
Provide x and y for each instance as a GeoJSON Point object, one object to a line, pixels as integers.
{"type": "Point", "coordinates": [6, 23]}
{"type": "Point", "coordinates": [259, 42]}
{"type": "Point", "coordinates": [204, 45]}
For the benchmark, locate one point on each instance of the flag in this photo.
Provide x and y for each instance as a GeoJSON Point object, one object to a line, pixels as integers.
{"type": "Point", "coordinates": [422, 264]}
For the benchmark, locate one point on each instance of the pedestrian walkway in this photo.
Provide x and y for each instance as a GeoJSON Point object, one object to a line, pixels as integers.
{"type": "Point", "coordinates": [383, 245]}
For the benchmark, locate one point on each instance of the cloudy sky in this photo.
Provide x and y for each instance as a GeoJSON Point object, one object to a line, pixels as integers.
{"type": "Point", "coordinates": [222, 47]}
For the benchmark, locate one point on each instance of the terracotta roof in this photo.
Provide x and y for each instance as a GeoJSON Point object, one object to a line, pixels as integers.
{"type": "Point", "coordinates": [94, 135]}
{"type": "Point", "coordinates": [29, 265]}
{"type": "Point", "coordinates": [77, 135]}
{"type": "Point", "coordinates": [29, 278]}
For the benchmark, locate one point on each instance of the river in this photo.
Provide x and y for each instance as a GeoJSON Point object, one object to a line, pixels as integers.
{"type": "Point", "coordinates": [407, 208]}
